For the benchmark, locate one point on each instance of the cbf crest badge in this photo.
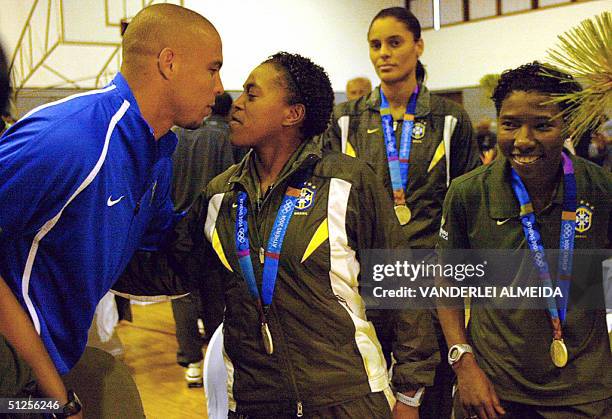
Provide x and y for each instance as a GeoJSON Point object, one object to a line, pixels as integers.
{"type": "Point", "coordinates": [306, 199]}
{"type": "Point", "coordinates": [418, 131]}
{"type": "Point", "coordinates": [584, 217]}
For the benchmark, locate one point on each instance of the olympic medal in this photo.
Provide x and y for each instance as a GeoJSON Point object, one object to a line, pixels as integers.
{"type": "Point", "coordinates": [558, 353]}
{"type": "Point", "coordinates": [403, 214]}
{"type": "Point", "coordinates": [267, 338]}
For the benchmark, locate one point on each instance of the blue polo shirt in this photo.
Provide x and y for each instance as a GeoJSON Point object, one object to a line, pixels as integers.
{"type": "Point", "coordinates": [83, 185]}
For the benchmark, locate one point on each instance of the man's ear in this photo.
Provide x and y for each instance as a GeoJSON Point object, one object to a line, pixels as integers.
{"type": "Point", "coordinates": [166, 63]}
{"type": "Point", "coordinates": [294, 115]}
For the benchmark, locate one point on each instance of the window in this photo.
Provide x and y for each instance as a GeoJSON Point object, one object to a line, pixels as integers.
{"type": "Point", "coordinates": [482, 8]}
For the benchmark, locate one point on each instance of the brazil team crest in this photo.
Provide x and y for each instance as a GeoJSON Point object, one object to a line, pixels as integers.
{"type": "Point", "coordinates": [418, 131]}
{"type": "Point", "coordinates": [306, 198]}
{"type": "Point", "coordinates": [584, 217]}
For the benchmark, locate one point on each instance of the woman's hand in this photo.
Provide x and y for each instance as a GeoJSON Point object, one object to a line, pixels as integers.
{"type": "Point", "coordinates": [476, 391]}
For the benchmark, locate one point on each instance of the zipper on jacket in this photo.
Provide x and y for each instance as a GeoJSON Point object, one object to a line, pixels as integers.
{"type": "Point", "coordinates": [262, 255]}
{"type": "Point", "coordinates": [137, 208]}
{"type": "Point", "coordinates": [299, 408]}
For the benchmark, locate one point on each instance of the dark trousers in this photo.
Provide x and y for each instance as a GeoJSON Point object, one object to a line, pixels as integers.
{"type": "Point", "coordinates": [206, 304]}
{"type": "Point", "coordinates": [186, 313]}
{"type": "Point", "coordinates": [372, 406]}
{"type": "Point", "coordinates": [104, 384]}
{"type": "Point", "coordinates": [16, 377]}
{"type": "Point", "coordinates": [438, 400]}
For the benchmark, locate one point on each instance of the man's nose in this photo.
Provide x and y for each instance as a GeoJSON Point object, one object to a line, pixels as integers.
{"type": "Point", "coordinates": [218, 86]}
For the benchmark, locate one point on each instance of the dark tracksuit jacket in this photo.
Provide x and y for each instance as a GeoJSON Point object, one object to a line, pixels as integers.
{"type": "Point", "coordinates": [442, 149]}
{"type": "Point", "coordinates": [326, 351]}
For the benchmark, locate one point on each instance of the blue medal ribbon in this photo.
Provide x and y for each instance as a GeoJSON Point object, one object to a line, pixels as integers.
{"type": "Point", "coordinates": [398, 164]}
{"type": "Point", "coordinates": [556, 308]}
{"type": "Point", "coordinates": [274, 247]}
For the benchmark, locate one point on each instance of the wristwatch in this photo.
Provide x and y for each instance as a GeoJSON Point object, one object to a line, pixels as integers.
{"type": "Point", "coordinates": [72, 407]}
{"type": "Point", "coordinates": [455, 352]}
{"type": "Point", "coordinates": [414, 401]}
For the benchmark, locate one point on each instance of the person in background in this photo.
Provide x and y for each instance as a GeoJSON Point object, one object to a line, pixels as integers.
{"type": "Point", "coordinates": [431, 137]}
{"type": "Point", "coordinates": [200, 155]}
{"type": "Point", "coordinates": [487, 140]}
{"type": "Point", "coordinates": [7, 120]}
{"type": "Point", "coordinates": [528, 363]}
{"type": "Point", "coordinates": [5, 90]}
{"type": "Point", "coordinates": [77, 199]}
{"type": "Point", "coordinates": [600, 147]}
{"type": "Point", "coordinates": [357, 87]}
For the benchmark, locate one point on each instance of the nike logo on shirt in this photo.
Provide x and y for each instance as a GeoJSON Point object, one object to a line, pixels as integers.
{"type": "Point", "coordinates": [110, 202]}
{"type": "Point", "coordinates": [502, 222]}
{"type": "Point", "coordinates": [372, 131]}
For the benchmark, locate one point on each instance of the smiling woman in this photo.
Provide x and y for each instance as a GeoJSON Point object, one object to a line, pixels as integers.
{"type": "Point", "coordinates": [530, 134]}
{"type": "Point", "coordinates": [534, 197]}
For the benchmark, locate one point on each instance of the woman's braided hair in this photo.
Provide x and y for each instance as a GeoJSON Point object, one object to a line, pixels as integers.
{"type": "Point", "coordinates": [308, 84]}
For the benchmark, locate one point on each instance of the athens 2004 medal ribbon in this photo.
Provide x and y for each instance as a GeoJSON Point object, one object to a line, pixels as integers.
{"type": "Point", "coordinates": [557, 308]}
{"type": "Point", "coordinates": [399, 164]}
{"type": "Point", "coordinates": [264, 299]}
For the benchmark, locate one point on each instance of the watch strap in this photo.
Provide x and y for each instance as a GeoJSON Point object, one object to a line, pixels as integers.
{"type": "Point", "coordinates": [72, 407]}
{"type": "Point", "coordinates": [455, 352]}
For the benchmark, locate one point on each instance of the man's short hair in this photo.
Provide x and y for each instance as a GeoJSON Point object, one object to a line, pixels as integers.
{"type": "Point", "coordinates": [534, 77]}
{"type": "Point", "coordinates": [156, 25]}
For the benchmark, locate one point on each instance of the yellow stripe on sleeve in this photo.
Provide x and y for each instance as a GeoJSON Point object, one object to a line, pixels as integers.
{"type": "Point", "coordinates": [318, 238]}
{"type": "Point", "coordinates": [438, 155]}
{"type": "Point", "coordinates": [216, 244]}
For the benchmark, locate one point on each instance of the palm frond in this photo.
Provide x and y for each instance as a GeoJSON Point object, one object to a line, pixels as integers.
{"type": "Point", "coordinates": [585, 52]}
{"type": "Point", "coordinates": [487, 84]}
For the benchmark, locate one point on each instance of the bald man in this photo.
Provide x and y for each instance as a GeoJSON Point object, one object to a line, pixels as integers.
{"type": "Point", "coordinates": [85, 182]}
{"type": "Point", "coordinates": [357, 87]}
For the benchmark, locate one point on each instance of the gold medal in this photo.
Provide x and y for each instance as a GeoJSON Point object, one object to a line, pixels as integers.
{"type": "Point", "coordinates": [403, 214]}
{"type": "Point", "coordinates": [267, 338]}
{"type": "Point", "coordinates": [558, 353]}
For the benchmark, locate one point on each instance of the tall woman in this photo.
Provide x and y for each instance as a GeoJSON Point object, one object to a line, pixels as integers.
{"type": "Point", "coordinates": [417, 142]}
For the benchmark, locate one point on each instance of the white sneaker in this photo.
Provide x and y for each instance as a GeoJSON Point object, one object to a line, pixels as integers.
{"type": "Point", "coordinates": [193, 375]}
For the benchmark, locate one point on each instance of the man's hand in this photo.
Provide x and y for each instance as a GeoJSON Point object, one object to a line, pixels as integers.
{"type": "Point", "coordinates": [476, 392]}
{"type": "Point", "coordinates": [403, 411]}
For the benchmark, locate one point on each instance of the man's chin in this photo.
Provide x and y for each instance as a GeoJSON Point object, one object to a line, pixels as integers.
{"type": "Point", "coordinates": [190, 125]}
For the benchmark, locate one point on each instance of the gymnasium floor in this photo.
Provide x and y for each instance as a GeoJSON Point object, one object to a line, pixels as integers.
{"type": "Point", "coordinates": [150, 353]}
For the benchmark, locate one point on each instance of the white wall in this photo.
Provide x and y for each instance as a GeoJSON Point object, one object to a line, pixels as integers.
{"type": "Point", "coordinates": [331, 32]}
{"type": "Point", "coordinates": [458, 56]}
{"type": "Point", "coordinates": [13, 14]}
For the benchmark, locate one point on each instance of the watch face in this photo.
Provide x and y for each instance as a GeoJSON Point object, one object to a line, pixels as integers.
{"type": "Point", "coordinates": [454, 353]}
